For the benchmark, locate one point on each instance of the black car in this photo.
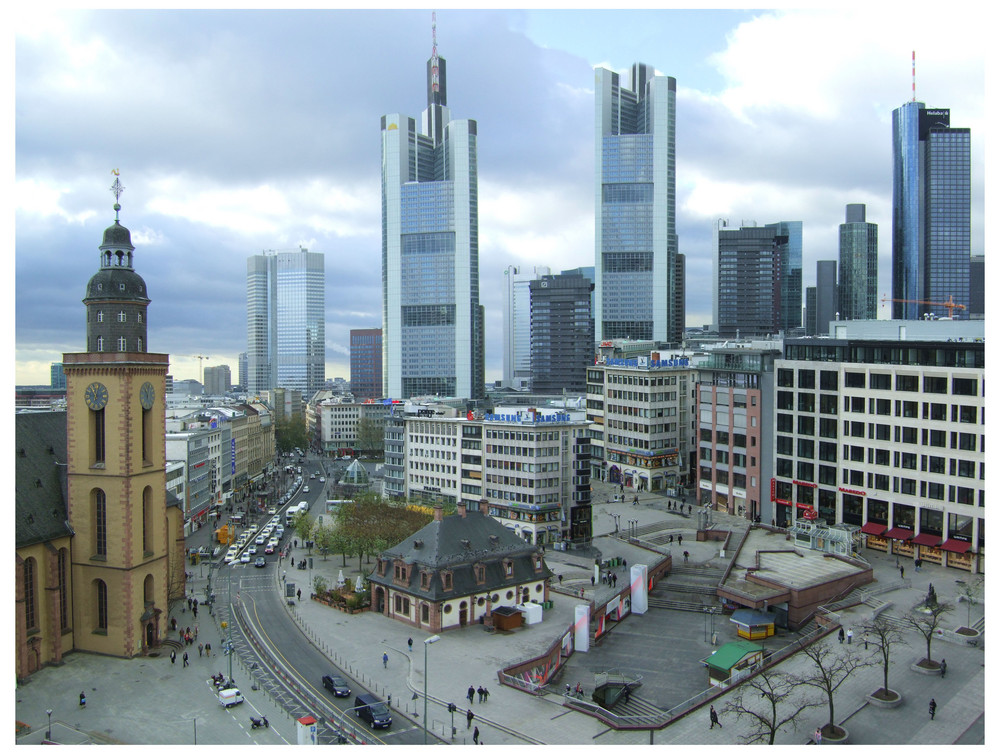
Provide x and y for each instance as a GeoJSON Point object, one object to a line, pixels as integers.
{"type": "Point", "coordinates": [336, 685]}
{"type": "Point", "coordinates": [260, 562]}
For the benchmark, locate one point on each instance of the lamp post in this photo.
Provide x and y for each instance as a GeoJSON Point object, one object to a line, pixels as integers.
{"type": "Point", "coordinates": [49, 713]}
{"type": "Point", "coordinates": [428, 640]}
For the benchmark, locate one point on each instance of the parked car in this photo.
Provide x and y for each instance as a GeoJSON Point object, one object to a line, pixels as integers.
{"type": "Point", "coordinates": [336, 685]}
{"type": "Point", "coordinates": [372, 709]}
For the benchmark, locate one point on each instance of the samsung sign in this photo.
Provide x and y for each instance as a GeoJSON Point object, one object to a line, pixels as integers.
{"type": "Point", "coordinates": [526, 418]}
{"type": "Point", "coordinates": [645, 362]}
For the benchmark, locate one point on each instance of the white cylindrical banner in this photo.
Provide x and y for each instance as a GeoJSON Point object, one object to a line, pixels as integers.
{"type": "Point", "coordinates": [581, 629]}
{"type": "Point", "coordinates": [639, 589]}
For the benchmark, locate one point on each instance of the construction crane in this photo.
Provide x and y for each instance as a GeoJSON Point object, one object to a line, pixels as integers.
{"type": "Point", "coordinates": [950, 304]}
{"type": "Point", "coordinates": [201, 360]}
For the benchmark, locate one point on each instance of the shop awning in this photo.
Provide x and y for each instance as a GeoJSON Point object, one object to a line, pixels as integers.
{"type": "Point", "coordinates": [872, 528]}
{"type": "Point", "coordinates": [956, 545]}
{"type": "Point", "coordinates": [927, 540]}
{"type": "Point", "coordinates": [897, 533]}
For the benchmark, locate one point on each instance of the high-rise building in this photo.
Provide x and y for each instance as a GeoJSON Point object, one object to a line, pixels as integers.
{"type": "Point", "coordinates": [931, 212]}
{"type": "Point", "coordinates": [218, 380]}
{"type": "Point", "coordinates": [635, 195]}
{"type": "Point", "coordinates": [858, 289]}
{"type": "Point", "coordinates": [286, 322]}
{"type": "Point", "coordinates": [243, 370]}
{"type": "Point", "coordinates": [517, 324]}
{"type": "Point", "coordinates": [432, 322]}
{"type": "Point", "coordinates": [810, 316]}
{"type": "Point", "coordinates": [366, 363]}
{"type": "Point", "coordinates": [562, 333]}
{"type": "Point", "coordinates": [57, 377]}
{"type": "Point", "coordinates": [826, 296]}
{"type": "Point", "coordinates": [757, 279]}
{"type": "Point", "coordinates": [977, 287]}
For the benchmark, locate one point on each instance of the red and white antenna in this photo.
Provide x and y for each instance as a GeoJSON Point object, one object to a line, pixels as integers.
{"type": "Point", "coordinates": [435, 83]}
{"type": "Point", "coordinates": [914, 75]}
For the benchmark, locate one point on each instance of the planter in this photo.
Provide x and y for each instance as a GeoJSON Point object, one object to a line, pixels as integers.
{"type": "Point", "coordinates": [836, 737]}
{"type": "Point", "coordinates": [924, 669]}
{"type": "Point", "coordinates": [876, 701]}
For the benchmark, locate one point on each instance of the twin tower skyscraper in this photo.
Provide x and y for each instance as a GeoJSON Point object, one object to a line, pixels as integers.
{"type": "Point", "coordinates": [433, 324]}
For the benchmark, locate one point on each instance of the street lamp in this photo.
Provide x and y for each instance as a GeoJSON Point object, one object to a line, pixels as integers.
{"type": "Point", "coordinates": [428, 640]}
{"type": "Point", "coordinates": [49, 713]}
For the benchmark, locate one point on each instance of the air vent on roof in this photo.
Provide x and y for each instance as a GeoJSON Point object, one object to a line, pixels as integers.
{"type": "Point", "coordinates": [494, 539]}
{"type": "Point", "coordinates": [418, 543]}
{"type": "Point", "coordinates": [466, 544]}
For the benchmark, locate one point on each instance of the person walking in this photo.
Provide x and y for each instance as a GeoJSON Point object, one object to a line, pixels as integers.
{"type": "Point", "coordinates": [686, 553]}
{"type": "Point", "coordinates": [468, 719]}
{"type": "Point", "coordinates": [932, 708]}
{"type": "Point", "coordinates": [298, 594]}
{"type": "Point", "coordinates": [901, 572]}
{"type": "Point", "coordinates": [944, 667]}
{"type": "Point", "coordinates": [470, 693]}
{"type": "Point", "coordinates": [481, 693]}
{"type": "Point", "coordinates": [680, 539]}
{"type": "Point", "coordinates": [194, 610]}
{"type": "Point", "coordinates": [840, 634]}
{"type": "Point", "coordinates": [385, 660]}
{"type": "Point", "coordinates": [850, 635]}
{"type": "Point", "coordinates": [185, 658]}
{"type": "Point", "coordinates": [714, 717]}
{"type": "Point", "coordinates": [475, 735]}
{"type": "Point", "coordinates": [208, 649]}
{"type": "Point", "coordinates": [201, 648]}
{"type": "Point", "coordinates": [409, 643]}
{"type": "Point", "coordinates": [173, 657]}
{"type": "Point", "coordinates": [486, 694]}
{"type": "Point", "coordinates": [83, 700]}
{"type": "Point", "coordinates": [818, 736]}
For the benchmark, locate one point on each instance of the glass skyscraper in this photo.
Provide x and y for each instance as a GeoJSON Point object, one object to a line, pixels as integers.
{"type": "Point", "coordinates": [858, 269]}
{"type": "Point", "coordinates": [286, 321]}
{"type": "Point", "coordinates": [432, 323]}
{"type": "Point", "coordinates": [931, 211]}
{"type": "Point", "coordinates": [636, 239]}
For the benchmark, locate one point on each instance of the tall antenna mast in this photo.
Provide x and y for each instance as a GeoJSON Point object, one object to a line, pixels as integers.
{"type": "Point", "coordinates": [914, 75]}
{"type": "Point", "coordinates": [435, 83]}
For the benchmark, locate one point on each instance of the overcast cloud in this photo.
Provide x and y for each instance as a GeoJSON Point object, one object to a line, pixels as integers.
{"type": "Point", "coordinates": [239, 131]}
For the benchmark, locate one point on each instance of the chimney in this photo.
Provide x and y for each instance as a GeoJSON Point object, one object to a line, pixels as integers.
{"type": "Point", "coordinates": [461, 508]}
{"type": "Point", "coordinates": [484, 507]}
{"type": "Point", "coordinates": [438, 513]}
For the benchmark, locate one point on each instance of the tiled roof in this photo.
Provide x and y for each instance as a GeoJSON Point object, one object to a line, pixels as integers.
{"type": "Point", "coordinates": [40, 478]}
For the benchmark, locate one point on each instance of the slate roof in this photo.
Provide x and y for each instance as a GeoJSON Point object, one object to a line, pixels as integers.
{"type": "Point", "coordinates": [456, 543]}
{"type": "Point", "coordinates": [40, 478]}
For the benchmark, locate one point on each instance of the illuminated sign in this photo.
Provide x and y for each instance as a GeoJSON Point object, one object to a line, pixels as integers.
{"type": "Point", "coordinates": [852, 492]}
{"type": "Point", "coordinates": [526, 418]}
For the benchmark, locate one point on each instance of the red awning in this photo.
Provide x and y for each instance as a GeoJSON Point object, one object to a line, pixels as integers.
{"type": "Point", "coordinates": [897, 533]}
{"type": "Point", "coordinates": [956, 545]}
{"type": "Point", "coordinates": [872, 528]}
{"type": "Point", "coordinates": [927, 540]}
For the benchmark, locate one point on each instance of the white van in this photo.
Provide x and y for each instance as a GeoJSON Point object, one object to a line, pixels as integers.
{"type": "Point", "coordinates": [230, 697]}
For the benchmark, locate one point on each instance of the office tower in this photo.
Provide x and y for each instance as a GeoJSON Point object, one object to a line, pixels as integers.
{"type": "Point", "coordinates": [635, 194]}
{"type": "Point", "coordinates": [826, 296]}
{"type": "Point", "coordinates": [243, 370]}
{"type": "Point", "coordinates": [286, 323]}
{"type": "Point", "coordinates": [562, 333]}
{"type": "Point", "coordinates": [858, 290]}
{"type": "Point", "coordinates": [218, 380]}
{"type": "Point", "coordinates": [810, 316]}
{"type": "Point", "coordinates": [758, 279]}
{"type": "Point", "coordinates": [366, 363]}
{"type": "Point", "coordinates": [931, 214]}
{"type": "Point", "coordinates": [977, 287]}
{"type": "Point", "coordinates": [57, 377]}
{"type": "Point", "coordinates": [432, 328]}
{"type": "Point", "coordinates": [517, 324]}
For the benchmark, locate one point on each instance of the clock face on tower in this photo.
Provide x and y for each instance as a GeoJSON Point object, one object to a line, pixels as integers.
{"type": "Point", "coordinates": [146, 395]}
{"type": "Point", "coordinates": [96, 396]}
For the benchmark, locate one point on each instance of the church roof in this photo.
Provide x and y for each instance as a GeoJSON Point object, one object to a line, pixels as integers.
{"type": "Point", "coordinates": [40, 478]}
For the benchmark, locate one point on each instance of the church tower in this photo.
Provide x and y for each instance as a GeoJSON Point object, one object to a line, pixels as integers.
{"type": "Point", "coordinates": [128, 549]}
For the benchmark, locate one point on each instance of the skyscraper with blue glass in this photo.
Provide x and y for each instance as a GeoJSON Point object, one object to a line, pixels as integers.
{"type": "Point", "coordinates": [931, 211]}
{"type": "Point", "coordinates": [432, 323]}
{"type": "Point", "coordinates": [635, 262]}
{"type": "Point", "coordinates": [286, 321]}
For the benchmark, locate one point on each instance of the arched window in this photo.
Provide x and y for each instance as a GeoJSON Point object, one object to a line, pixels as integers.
{"type": "Point", "coordinates": [97, 423]}
{"type": "Point", "coordinates": [139, 349]}
{"type": "Point", "coordinates": [122, 317]}
{"type": "Point", "coordinates": [100, 522]}
{"type": "Point", "coordinates": [100, 316]}
{"type": "Point", "coordinates": [100, 342]}
{"type": "Point", "coordinates": [121, 343]}
{"type": "Point", "coordinates": [63, 559]}
{"type": "Point", "coordinates": [147, 589]}
{"type": "Point", "coordinates": [101, 599]}
{"type": "Point", "coordinates": [30, 612]}
{"type": "Point", "coordinates": [147, 520]}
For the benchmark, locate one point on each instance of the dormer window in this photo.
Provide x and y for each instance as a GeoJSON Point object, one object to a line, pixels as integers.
{"type": "Point", "coordinates": [446, 579]}
{"type": "Point", "coordinates": [479, 571]}
{"type": "Point", "coordinates": [536, 560]}
{"type": "Point", "coordinates": [425, 580]}
{"type": "Point", "coordinates": [508, 568]}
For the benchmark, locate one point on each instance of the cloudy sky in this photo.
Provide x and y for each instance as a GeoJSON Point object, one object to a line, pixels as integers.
{"type": "Point", "coordinates": [240, 131]}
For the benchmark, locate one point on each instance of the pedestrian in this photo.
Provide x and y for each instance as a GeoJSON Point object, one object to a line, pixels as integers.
{"type": "Point", "coordinates": [173, 657]}
{"type": "Point", "coordinates": [83, 700]}
{"type": "Point", "coordinates": [201, 648]}
{"type": "Point", "coordinates": [901, 572]}
{"type": "Point", "coordinates": [189, 603]}
{"type": "Point", "coordinates": [866, 642]}
{"type": "Point", "coordinates": [173, 624]}
{"type": "Point", "coordinates": [560, 579]}
{"type": "Point", "coordinates": [591, 580]}
{"type": "Point", "coordinates": [475, 735]}
{"type": "Point", "coordinates": [284, 575]}
{"type": "Point", "coordinates": [208, 649]}
{"type": "Point", "coordinates": [482, 694]}
{"type": "Point", "coordinates": [932, 708]}
{"type": "Point", "coordinates": [624, 563]}
{"type": "Point", "coordinates": [298, 594]}
{"type": "Point", "coordinates": [385, 660]}
{"type": "Point", "coordinates": [635, 500]}
{"type": "Point", "coordinates": [680, 539]}
{"type": "Point", "coordinates": [614, 579]}
{"type": "Point", "coordinates": [713, 716]}
{"type": "Point", "coordinates": [686, 556]}
{"type": "Point", "coordinates": [409, 643]}
{"type": "Point", "coordinates": [944, 667]}
{"type": "Point", "coordinates": [840, 634]}
{"type": "Point", "coordinates": [486, 694]}
{"type": "Point", "coordinates": [850, 635]}
{"type": "Point", "coordinates": [470, 693]}
{"type": "Point", "coordinates": [185, 658]}
{"type": "Point", "coordinates": [194, 610]}
{"type": "Point", "coordinates": [818, 736]}
{"type": "Point", "coordinates": [689, 513]}
{"type": "Point", "coordinates": [670, 539]}
{"type": "Point", "coordinates": [567, 689]}
{"type": "Point", "coordinates": [292, 562]}
{"type": "Point", "coordinates": [468, 719]}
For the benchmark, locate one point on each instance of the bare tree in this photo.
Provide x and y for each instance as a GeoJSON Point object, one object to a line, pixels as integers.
{"type": "Point", "coordinates": [833, 667]}
{"type": "Point", "coordinates": [776, 710]}
{"type": "Point", "coordinates": [884, 636]}
{"type": "Point", "coordinates": [926, 618]}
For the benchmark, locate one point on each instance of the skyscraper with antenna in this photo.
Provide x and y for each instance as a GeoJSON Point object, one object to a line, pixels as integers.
{"type": "Point", "coordinates": [432, 322]}
{"type": "Point", "coordinates": [931, 210]}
